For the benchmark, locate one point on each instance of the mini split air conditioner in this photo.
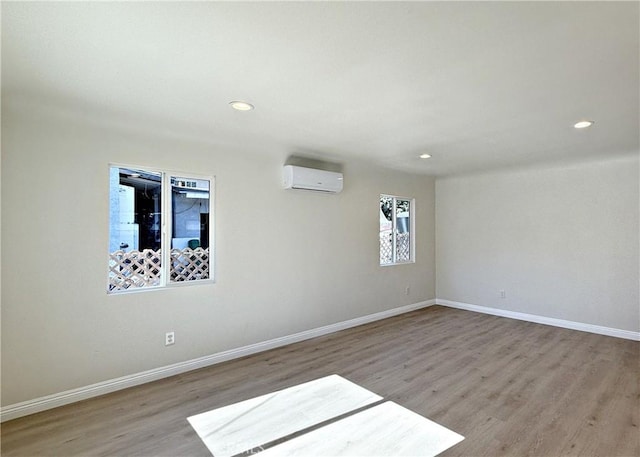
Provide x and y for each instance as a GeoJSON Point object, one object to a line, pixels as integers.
{"type": "Point", "coordinates": [312, 179]}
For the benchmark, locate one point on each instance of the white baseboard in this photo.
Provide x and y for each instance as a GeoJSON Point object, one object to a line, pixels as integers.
{"type": "Point", "coordinates": [70, 396]}
{"type": "Point", "coordinates": [618, 333]}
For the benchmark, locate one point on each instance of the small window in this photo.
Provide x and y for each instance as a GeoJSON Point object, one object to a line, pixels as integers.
{"type": "Point", "coordinates": [396, 227]}
{"type": "Point", "coordinates": [159, 229]}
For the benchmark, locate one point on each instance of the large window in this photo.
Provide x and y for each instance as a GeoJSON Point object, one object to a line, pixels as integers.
{"type": "Point", "coordinates": [396, 227]}
{"type": "Point", "coordinates": [159, 229]}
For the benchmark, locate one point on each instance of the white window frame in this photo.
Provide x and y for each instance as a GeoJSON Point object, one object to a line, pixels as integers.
{"type": "Point", "coordinates": [166, 229]}
{"type": "Point", "coordinates": [412, 226]}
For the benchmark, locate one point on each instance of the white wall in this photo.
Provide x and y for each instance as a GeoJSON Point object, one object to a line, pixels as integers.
{"type": "Point", "coordinates": [562, 242]}
{"type": "Point", "coordinates": [287, 261]}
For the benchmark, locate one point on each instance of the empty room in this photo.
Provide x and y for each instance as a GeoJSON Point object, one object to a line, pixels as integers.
{"type": "Point", "coordinates": [320, 228]}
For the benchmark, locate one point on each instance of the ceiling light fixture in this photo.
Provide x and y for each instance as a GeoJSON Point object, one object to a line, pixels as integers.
{"type": "Point", "coordinates": [425, 156]}
{"type": "Point", "coordinates": [241, 106]}
{"type": "Point", "coordinates": [583, 124]}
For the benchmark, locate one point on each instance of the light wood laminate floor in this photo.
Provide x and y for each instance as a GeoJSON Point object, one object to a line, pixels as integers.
{"type": "Point", "coordinates": [509, 387]}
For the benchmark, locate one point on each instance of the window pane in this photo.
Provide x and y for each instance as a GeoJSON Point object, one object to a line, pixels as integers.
{"type": "Point", "coordinates": [190, 252]}
{"type": "Point", "coordinates": [386, 235]}
{"type": "Point", "coordinates": [135, 202]}
{"type": "Point", "coordinates": [403, 230]}
{"type": "Point", "coordinates": [396, 239]}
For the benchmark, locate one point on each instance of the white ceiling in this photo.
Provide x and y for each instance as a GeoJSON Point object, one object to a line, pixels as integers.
{"type": "Point", "coordinates": [479, 85]}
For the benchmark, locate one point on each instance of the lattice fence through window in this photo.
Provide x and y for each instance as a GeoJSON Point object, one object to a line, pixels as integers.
{"type": "Point", "coordinates": [403, 247]}
{"type": "Point", "coordinates": [386, 247]}
{"type": "Point", "coordinates": [136, 269]}
{"type": "Point", "coordinates": [189, 264]}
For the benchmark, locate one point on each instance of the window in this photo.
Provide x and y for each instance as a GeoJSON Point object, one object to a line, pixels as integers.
{"type": "Point", "coordinates": [396, 227]}
{"type": "Point", "coordinates": [159, 229]}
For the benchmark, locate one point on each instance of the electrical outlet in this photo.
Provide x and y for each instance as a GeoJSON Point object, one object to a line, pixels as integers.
{"type": "Point", "coordinates": [503, 294]}
{"type": "Point", "coordinates": [169, 338]}
{"type": "Point", "coordinates": [407, 290]}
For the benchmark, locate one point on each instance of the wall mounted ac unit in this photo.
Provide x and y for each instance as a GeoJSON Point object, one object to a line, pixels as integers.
{"type": "Point", "coordinates": [312, 179]}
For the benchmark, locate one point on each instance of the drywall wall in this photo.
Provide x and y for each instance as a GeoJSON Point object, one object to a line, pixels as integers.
{"type": "Point", "coordinates": [562, 242]}
{"type": "Point", "coordinates": [286, 261]}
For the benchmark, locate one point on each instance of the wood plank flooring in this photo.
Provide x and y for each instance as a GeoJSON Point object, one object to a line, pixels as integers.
{"type": "Point", "coordinates": [511, 388]}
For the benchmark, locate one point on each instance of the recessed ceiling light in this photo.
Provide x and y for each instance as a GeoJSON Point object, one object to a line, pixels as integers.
{"type": "Point", "coordinates": [425, 156]}
{"type": "Point", "coordinates": [241, 106]}
{"type": "Point", "coordinates": [583, 124]}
